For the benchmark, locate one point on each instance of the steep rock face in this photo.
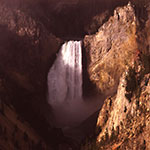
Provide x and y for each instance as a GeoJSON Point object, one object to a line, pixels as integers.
{"type": "Point", "coordinates": [27, 51]}
{"type": "Point", "coordinates": [112, 48]}
{"type": "Point", "coordinates": [124, 120]}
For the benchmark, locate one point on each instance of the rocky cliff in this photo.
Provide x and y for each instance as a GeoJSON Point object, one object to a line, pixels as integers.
{"type": "Point", "coordinates": [27, 51]}
{"type": "Point", "coordinates": [119, 55]}
{"type": "Point", "coordinates": [112, 48]}
{"type": "Point", "coordinates": [117, 60]}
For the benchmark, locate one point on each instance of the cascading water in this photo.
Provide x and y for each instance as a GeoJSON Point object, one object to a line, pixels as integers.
{"type": "Point", "coordinates": [65, 87]}
{"type": "Point", "coordinates": [65, 76]}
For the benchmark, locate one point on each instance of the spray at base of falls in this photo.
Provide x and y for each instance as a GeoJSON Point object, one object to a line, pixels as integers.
{"type": "Point", "coordinates": [65, 86]}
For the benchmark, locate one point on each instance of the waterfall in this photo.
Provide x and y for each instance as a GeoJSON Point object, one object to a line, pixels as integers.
{"type": "Point", "coordinates": [65, 79]}
{"type": "Point", "coordinates": [65, 76]}
{"type": "Point", "coordinates": [65, 87]}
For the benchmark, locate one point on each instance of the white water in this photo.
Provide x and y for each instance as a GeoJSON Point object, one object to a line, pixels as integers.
{"type": "Point", "coordinates": [65, 76]}
{"type": "Point", "coordinates": [65, 86]}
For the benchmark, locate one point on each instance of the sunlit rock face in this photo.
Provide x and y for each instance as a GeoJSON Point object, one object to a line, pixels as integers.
{"type": "Point", "coordinates": [112, 48]}
{"type": "Point", "coordinates": [124, 120]}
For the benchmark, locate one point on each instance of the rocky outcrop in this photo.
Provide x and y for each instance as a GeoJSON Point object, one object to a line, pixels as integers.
{"type": "Point", "coordinates": [124, 120]}
{"type": "Point", "coordinates": [112, 48]}
{"type": "Point", "coordinates": [28, 48]}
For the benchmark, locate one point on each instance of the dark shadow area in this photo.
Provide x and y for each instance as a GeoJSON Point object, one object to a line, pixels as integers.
{"type": "Point", "coordinates": [72, 20]}
{"type": "Point", "coordinates": [65, 19]}
{"type": "Point", "coordinates": [89, 89]}
{"type": "Point", "coordinates": [140, 8]}
{"type": "Point", "coordinates": [20, 73]}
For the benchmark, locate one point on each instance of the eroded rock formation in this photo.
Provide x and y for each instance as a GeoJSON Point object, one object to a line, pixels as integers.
{"type": "Point", "coordinates": [112, 48]}
{"type": "Point", "coordinates": [117, 57]}
{"type": "Point", "coordinates": [124, 120]}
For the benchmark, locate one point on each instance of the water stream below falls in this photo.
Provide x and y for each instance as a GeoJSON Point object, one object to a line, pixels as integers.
{"type": "Point", "coordinates": [65, 87]}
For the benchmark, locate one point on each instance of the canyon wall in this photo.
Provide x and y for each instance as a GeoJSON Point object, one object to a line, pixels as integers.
{"type": "Point", "coordinates": [119, 54]}
{"type": "Point", "coordinates": [111, 49]}
{"type": "Point", "coordinates": [27, 52]}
